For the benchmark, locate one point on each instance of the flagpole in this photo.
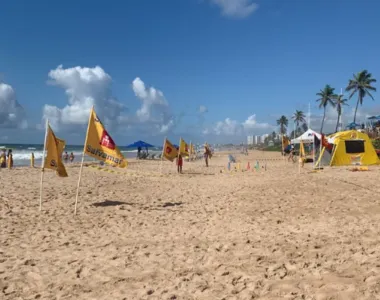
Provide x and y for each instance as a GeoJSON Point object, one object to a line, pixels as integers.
{"type": "Point", "coordinates": [81, 165]}
{"type": "Point", "coordinates": [43, 163]}
{"type": "Point", "coordinates": [162, 154]}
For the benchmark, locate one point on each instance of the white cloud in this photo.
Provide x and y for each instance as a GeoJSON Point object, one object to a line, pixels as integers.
{"type": "Point", "coordinates": [85, 87]}
{"type": "Point", "coordinates": [12, 114]}
{"type": "Point", "coordinates": [236, 8]}
{"type": "Point", "coordinates": [252, 124]}
{"type": "Point", "coordinates": [154, 108]}
{"type": "Point", "coordinates": [228, 127]}
{"type": "Point", "coordinates": [202, 109]}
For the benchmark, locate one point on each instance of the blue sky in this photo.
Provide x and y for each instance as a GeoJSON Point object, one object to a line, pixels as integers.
{"type": "Point", "coordinates": [225, 68]}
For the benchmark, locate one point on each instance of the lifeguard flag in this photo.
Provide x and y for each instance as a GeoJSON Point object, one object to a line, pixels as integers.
{"type": "Point", "coordinates": [183, 148]}
{"type": "Point", "coordinates": [169, 152]}
{"type": "Point", "coordinates": [302, 150]}
{"type": "Point", "coordinates": [192, 151]}
{"type": "Point", "coordinates": [100, 145]}
{"type": "Point", "coordinates": [54, 149]}
{"type": "Point", "coordinates": [285, 142]}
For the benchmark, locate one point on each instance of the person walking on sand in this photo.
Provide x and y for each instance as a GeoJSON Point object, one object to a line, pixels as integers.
{"type": "Point", "coordinates": [292, 153]}
{"type": "Point", "coordinates": [72, 157]}
{"type": "Point", "coordinates": [206, 154]}
{"type": "Point", "coordinates": [179, 163]}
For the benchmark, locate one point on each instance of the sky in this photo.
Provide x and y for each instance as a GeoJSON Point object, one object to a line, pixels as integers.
{"type": "Point", "coordinates": [204, 70]}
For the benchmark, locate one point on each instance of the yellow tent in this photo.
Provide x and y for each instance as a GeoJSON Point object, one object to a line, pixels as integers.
{"type": "Point", "coordinates": [349, 148]}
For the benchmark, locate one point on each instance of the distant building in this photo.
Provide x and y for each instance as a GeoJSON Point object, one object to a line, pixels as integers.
{"type": "Point", "coordinates": [257, 140]}
{"type": "Point", "coordinates": [250, 140]}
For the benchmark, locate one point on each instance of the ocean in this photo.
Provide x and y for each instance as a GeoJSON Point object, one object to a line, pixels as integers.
{"type": "Point", "coordinates": [22, 153]}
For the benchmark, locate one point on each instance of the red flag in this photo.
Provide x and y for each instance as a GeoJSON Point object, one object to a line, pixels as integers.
{"type": "Point", "coordinates": [107, 141]}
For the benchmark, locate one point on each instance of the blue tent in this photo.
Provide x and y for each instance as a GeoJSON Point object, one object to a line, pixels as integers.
{"type": "Point", "coordinates": [353, 125]}
{"type": "Point", "coordinates": [140, 144]}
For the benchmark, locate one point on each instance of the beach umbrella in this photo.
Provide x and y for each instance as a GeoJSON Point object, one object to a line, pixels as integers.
{"type": "Point", "coordinates": [373, 118]}
{"type": "Point", "coordinates": [140, 144]}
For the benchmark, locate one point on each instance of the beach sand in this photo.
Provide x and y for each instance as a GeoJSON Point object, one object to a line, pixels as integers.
{"type": "Point", "coordinates": [271, 234]}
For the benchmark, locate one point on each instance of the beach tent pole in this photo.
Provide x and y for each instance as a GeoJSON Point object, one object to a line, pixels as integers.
{"type": "Point", "coordinates": [162, 155]}
{"type": "Point", "coordinates": [43, 162]}
{"type": "Point", "coordinates": [81, 165]}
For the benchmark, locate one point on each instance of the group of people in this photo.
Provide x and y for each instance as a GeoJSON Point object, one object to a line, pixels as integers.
{"type": "Point", "coordinates": [206, 155]}
{"type": "Point", "coordinates": [66, 157]}
{"type": "Point", "coordinates": [6, 159]}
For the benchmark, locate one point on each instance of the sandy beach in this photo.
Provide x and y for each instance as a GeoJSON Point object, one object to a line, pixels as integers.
{"type": "Point", "coordinates": [271, 234]}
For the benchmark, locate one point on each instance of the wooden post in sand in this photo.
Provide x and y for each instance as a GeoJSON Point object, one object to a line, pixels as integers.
{"type": "Point", "coordinates": [81, 165]}
{"type": "Point", "coordinates": [43, 163]}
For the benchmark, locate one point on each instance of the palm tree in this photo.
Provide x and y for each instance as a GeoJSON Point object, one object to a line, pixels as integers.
{"type": "Point", "coordinates": [283, 123]}
{"type": "Point", "coordinates": [298, 117]}
{"type": "Point", "coordinates": [339, 102]}
{"type": "Point", "coordinates": [361, 84]}
{"type": "Point", "coordinates": [326, 98]}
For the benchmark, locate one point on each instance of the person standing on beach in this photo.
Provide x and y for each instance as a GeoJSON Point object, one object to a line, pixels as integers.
{"type": "Point", "coordinates": [206, 154]}
{"type": "Point", "coordinates": [72, 157]}
{"type": "Point", "coordinates": [65, 157]}
{"type": "Point", "coordinates": [179, 163]}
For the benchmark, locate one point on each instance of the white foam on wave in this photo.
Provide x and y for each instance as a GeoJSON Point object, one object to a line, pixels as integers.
{"type": "Point", "coordinates": [26, 155]}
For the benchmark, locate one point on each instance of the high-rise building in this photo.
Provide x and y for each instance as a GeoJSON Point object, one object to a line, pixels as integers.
{"type": "Point", "coordinates": [250, 140]}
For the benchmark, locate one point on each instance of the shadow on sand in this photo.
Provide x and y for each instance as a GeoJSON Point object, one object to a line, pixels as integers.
{"type": "Point", "coordinates": [170, 204]}
{"type": "Point", "coordinates": [110, 203]}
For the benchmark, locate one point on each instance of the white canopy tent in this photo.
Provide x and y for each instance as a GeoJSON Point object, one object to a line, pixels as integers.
{"type": "Point", "coordinates": [306, 137]}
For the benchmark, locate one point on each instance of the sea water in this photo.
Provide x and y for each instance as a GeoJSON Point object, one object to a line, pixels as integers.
{"type": "Point", "coordinates": [22, 153]}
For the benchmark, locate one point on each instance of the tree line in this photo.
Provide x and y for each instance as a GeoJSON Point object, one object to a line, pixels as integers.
{"type": "Point", "coordinates": [361, 84]}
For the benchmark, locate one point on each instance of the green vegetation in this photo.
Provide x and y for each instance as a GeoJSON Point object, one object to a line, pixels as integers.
{"type": "Point", "coordinates": [376, 144]}
{"type": "Point", "coordinates": [339, 102]}
{"type": "Point", "coordinates": [326, 98]}
{"type": "Point", "coordinates": [275, 148]}
{"type": "Point", "coordinates": [283, 123]}
{"type": "Point", "coordinates": [361, 85]}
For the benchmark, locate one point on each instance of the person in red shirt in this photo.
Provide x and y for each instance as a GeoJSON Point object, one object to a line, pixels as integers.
{"type": "Point", "coordinates": [179, 163]}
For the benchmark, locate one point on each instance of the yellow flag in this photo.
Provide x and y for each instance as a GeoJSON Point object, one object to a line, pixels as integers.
{"type": "Point", "coordinates": [183, 148]}
{"type": "Point", "coordinates": [302, 150]}
{"type": "Point", "coordinates": [169, 152]}
{"type": "Point", "coordinates": [285, 142]}
{"type": "Point", "coordinates": [54, 149]}
{"type": "Point", "coordinates": [192, 150]}
{"type": "Point", "coordinates": [100, 145]}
